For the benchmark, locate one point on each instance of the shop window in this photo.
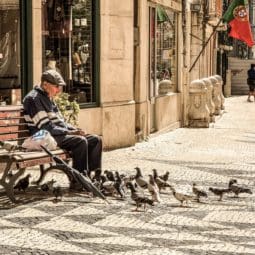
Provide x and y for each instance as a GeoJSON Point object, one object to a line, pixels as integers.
{"type": "Point", "coordinates": [10, 74]}
{"type": "Point", "coordinates": [67, 29]}
{"type": "Point", "coordinates": [166, 46]}
{"type": "Point", "coordinates": [163, 44]}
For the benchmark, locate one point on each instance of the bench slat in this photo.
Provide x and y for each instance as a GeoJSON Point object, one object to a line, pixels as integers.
{"type": "Point", "coordinates": [11, 130]}
{"type": "Point", "coordinates": [40, 161]}
{"type": "Point", "coordinates": [12, 124]}
{"type": "Point", "coordinates": [32, 158]}
{"type": "Point", "coordinates": [8, 117]}
{"type": "Point", "coordinates": [24, 155]}
{"type": "Point", "coordinates": [11, 115]}
{"type": "Point", "coordinates": [8, 130]}
{"type": "Point", "coordinates": [18, 124]}
{"type": "Point", "coordinates": [14, 136]}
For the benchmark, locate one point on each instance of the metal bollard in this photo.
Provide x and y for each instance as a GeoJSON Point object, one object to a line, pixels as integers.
{"type": "Point", "coordinates": [199, 113]}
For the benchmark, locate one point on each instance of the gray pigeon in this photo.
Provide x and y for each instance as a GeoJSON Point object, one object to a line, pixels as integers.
{"type": "Point", "coordinates": [139, 179]}
{"type": "Point", "coordinates": [57, 192]}
{"type": "Point", "coordinates": [23, 183]}
{"type": "Point", "coordinates": [139, 199]}
{"type": "Point", "coordinates": [47, 186]}
{"type": "Point", "coordinates": [198, 192]}
{"type": "Point", "coordinates": [237, 189]}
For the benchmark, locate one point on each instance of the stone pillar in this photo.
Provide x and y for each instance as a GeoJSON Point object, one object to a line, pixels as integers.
{"type": "Point", "coordinates": [216, 95]}
{"type": "Point", "coordinates": [227, 87]}
{"type": "Point", "coordinates": [219, 78]}
{"type": "Point", "coordinates": [199, 114]}
{"type": "Point", "coordinates": [209, 100]}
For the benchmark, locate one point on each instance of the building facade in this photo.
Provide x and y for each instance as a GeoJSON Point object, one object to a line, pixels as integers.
{"type": "Point", "coordinates": [125, 62]}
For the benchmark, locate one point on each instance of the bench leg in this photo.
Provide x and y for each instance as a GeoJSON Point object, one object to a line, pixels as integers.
{"type": "Point", "coordinates": [9, 185]}
{"type": "Point", "coordinates": [9, 192]}
{"type": "Point", "coordinates": [44, 171]}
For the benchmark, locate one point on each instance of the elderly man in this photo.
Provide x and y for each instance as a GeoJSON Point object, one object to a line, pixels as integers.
{"type": "Point", "coordinates": [41, 112]}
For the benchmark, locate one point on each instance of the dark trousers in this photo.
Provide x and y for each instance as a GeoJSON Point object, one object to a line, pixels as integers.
{"type": "Point", "coordinates": [86, 151]}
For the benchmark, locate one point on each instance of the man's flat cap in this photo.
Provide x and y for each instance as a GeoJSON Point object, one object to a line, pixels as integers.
{"type": "Point", "coordinates": [53, 77]}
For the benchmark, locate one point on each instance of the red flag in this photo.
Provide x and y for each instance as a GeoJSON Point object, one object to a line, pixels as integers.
{"type": "Point", "coordinates": [237, 18]}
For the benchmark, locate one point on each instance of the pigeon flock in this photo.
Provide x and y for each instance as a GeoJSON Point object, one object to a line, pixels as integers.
{"type": "Point", "coordinates": [117, 185]}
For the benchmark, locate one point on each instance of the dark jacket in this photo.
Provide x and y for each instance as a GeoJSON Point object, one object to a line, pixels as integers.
{"type": "Point", "coordinates": [251, 74]}
{"type": "Point", "coordinates": [251, 77]}
{"type": "Point", "coordinates": [40, 112]}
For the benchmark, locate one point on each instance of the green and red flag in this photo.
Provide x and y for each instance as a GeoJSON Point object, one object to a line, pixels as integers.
{"type": "Point", "coordinates": [237, 18]}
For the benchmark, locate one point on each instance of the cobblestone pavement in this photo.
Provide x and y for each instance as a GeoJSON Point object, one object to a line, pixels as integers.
{"type": "Point", "coordinates": [209, 157]}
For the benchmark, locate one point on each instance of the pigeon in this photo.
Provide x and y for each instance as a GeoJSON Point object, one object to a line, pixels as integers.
{"type": "Point", "coordinates": [161, 183]}
{"type": "Point", "coordinates": [139, 200]}
{"type": "Point", "coordinates": [109, 175]}
{"type": "Point", "coordinates": [47, 186]}
{"type": "Point", "coordinates": [199, 193]}
{"type": "Point", "coordinates": [107, 187]}
{"type": "Point", "coordinates": [9, 175]}
{"type": "Point", "coordinates": [23, 183]}
{"type": "Point", "coordinates": [127, 179]}
{"type": "Point", "coordinates": [219, 192]}
{"type": "Point", "coordinates": [153, 189]}
{"type": "Point", "coordinates": [57, 192]}
{"type": "Point", "coordinates": [165, 176]}
{"type": "Point", "coordinates": [10, 146]}
{"type": "Point", "coordinates": [233, 187]}
{"type": "Point", "coordinates": [181, 197]}
{"type": "Point", "coordinates": [119, 184]}
{"type": "Point", "coordinates": [139, 179]}
{"type": "Point", "coordinates": [97, 176]}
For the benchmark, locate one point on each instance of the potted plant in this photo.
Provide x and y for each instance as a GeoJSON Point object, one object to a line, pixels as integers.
{"type": "Point", "coordinates": [68, 109]}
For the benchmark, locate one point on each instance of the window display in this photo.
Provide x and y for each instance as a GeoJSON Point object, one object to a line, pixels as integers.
{"type": "Point", "coordinates": [10, 78]}
{"type": "Point", "coordinates": [67, 45]}
{"type": "Point", "coordinates": [162, 50]}
{"type": "Point", "coordinates": [166, 43]}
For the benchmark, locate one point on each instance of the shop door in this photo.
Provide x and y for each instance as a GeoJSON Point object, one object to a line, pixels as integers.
{"type": "Point", "coordinates": [69, 46]}
{"type": "Point", "coordinates": [152, 84]}
{"type": "Point", "coordinates": [10, 73]}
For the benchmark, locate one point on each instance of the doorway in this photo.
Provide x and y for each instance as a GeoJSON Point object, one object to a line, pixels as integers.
{"type": "Point", "coordinates": [152, 81]}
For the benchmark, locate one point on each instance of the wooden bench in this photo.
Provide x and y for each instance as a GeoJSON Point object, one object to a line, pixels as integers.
{"type": "Point", "coordinates": [13, 129]}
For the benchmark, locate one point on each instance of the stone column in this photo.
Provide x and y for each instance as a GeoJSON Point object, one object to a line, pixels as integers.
{"type": "Point", "coordinates": [216, 95]}
{"type": "Point", "coordinates": [219, 78]}
{"type": "Point", "coordinates": [199, 114]}
{"type": "Point", "coordinates": [209, 100]}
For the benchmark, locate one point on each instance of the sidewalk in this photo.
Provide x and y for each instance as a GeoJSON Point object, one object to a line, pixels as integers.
{"type": "Point", "coordinates": [209, 157]}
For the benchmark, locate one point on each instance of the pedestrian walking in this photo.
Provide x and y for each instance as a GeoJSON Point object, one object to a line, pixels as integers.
{"type": "Point", "coordinates": [251, 82]}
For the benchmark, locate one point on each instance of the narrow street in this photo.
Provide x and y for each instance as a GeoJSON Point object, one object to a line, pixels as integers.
{"type": "Point", "coordinates": [209, 157]}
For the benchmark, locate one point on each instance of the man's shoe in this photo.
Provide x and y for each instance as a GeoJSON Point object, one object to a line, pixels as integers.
{"type": "Point", "coordinates": [249, 100]}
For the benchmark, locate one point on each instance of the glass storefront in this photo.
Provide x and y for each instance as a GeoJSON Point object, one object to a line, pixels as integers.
{"type": "Point", "coordinates": [67, 36]}
{"type": "Point", "coordinates": [163, 45]}
{"type": "Point", "coordinates": [10, 73]}
{"type": "Point", "coordinates": [166, 45]}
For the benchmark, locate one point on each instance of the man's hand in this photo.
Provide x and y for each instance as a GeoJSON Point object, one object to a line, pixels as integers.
{"type": "Point", "coordinates": [76, 132]}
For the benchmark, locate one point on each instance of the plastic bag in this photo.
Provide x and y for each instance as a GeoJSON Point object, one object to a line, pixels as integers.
{"type": "Point", "coordinates": [42, 137]}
